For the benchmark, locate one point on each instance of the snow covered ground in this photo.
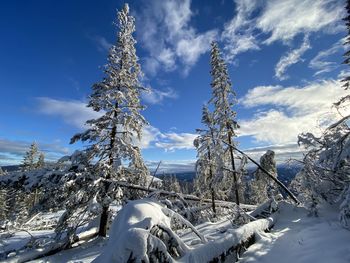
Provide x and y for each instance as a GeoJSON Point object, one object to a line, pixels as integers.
{"type": "Point", "coordinates": [85, 253]}
{"type": "Point", "coordinates": [296, 237]}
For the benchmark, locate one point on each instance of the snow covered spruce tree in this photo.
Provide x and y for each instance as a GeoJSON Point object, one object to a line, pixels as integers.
{"type": "Point", "coordinates": [41, 161]}
{"type": "Point", "coordinates": [208, 166]}
{"type": "Point", "coordinates": [113, 137]}
{"type": "Point", "coordinates": [262, 186]}
{"type": "Point", "coordinates": [31, 157]}
{"type": "Point", "coordinates": [223, 99]}
{"type": "Point", "coordinates": [2, 172]}
{"type": "Point", "coordinates": [171, 184]}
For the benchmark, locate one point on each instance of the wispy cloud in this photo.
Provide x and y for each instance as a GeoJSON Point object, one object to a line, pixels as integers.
{"type": "Point", "coordinates": [73, 112]}
{"type": "Point", "coordinates": [292, 57]}
{"type": "Point", "coordinates": [155, 96]}
{"type": "Point", "coordinates": [285, 19]}
{"type": "Point", "coordinates": [164, 30]}
{"type": "Point", "coordinates": [320, 64]}
{"type": "Point", "coordinates": [256, 23]}
{"type": "Point", "coordinates": [102, 44]}
{"type": "Point", "coordinates": [172, 166]}
{"type": "Point", "coordinates": [284, 152]}
{"type": "Point", "coordinates": [174, 141]}
{"type": "Point", "coordinates": [238, 33]}
{"type": "Point", "coordinates": [343, 74]}
{"type": "Point", "coordinates": [12, 151]}
{"type": "Point", "coordinates": [292, 110]}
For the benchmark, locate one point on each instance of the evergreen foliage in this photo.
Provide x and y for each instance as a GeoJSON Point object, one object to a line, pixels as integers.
{"type": "Point", "coordinates": [113, 137]}
{"type": "Point", "coordinates": [30, 158]}
{"type": "Point", "coordinates": [262, 188]}
{"type": "Point", "coordinates": [223, 117]}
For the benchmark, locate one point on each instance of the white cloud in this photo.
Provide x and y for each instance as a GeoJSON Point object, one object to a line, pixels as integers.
{"type": "Point", "coordinates": [292, 57]}
{"type": "Point", "coordinates": [102, 44]}
{"type": "Point", "coordinates": [319, 62]}
{"type": "Point", "coordinates": [343, 74]}
{"type": "Point", "coordinates": [167, 58]}
{"type": "Point", "coordinates": [292, 110]}
{"type": "Point", "coordinates": [238, 33]}
{"type": "Point", "coordinates": [12, 151]}
{"type": "Point", "coordinates": [284, 19]}
{"type": "Point", "coordinates": [172, 166]}
{"type": "Point", "coordinates": [281, 20]}
{"type": "Point", "coordinates": [190, 49]}
{"type": "Point", "coordinates": [155, 96]}
{"type": "Point", "coordinates": [165, 31]}
{"type": "Point", "coordinates": [173, 141]}
{"type": "Point", "coordinates": [73, 112]}
{"type": "Point", "coordinates": [150, 134]}
{"type": "Point", "coordinates": [283, 151]}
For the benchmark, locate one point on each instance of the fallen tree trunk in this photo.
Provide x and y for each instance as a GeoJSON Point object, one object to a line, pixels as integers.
{"type": "Point", "coordinates": [53, 249]}
{"type": "Point", "coordinates": [184, 196]}
{"type": "Point", "coordinates": [232, 245]}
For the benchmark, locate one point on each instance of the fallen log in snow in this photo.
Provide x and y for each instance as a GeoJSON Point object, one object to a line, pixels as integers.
{"type": "Point", "coordinates": [51, 249]}
{"type": "Point", "coordinates": [184, 196]}
{"type": "Point", "coordinates": [235, 242]}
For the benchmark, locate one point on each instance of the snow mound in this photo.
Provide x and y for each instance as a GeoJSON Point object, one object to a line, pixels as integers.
{"type": "Point", "coordinates": [136, 234]}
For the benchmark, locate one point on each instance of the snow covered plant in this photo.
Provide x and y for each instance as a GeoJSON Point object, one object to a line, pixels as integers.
{"type": "Point", "coordinates": [112, 138]}
{"type": "Point", "coordinates": [220, 127]}
{"type": "Point", "coordinates": [262, 187]}
{"type": "Point", "coordinates": [33, 159]}
{"type": "Point", "coordinates": [142, 232]}
{"type": "Point", "coordinates": [209, 165]}
{"type": "Point", "coordinates": [326, 171]}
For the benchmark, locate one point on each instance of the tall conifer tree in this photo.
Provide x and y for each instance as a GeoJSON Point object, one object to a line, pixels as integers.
{"type": "Point", "coordinates": [223, 99]}
{"type": "Point", "coordinates": [30, 158]}
{"type": "Point", "coordinates": [112, 136]}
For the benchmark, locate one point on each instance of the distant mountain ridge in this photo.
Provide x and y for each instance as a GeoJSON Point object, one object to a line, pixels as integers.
{"type": "Point", "coordinates": [285, 173]}
{"type": "Point", "coordinates": [10, 168]}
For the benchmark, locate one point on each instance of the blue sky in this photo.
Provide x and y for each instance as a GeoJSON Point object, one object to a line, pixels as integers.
{"type": "Point", "coordinates": [284, 59]}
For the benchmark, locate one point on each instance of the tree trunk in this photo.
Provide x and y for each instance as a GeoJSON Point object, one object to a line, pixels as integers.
{"type": "Point", "coordinates": [211, 183]}
{"type": "Point", "coordinates": [105, 208]}
{"type": "Point", "coordinates": [233, 166]}
{"type": "Point", "coordinates": [102, 231]}
{"type": "Point", "coordinates": [213, 201]}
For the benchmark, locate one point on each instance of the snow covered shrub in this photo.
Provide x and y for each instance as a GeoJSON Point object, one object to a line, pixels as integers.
{"type": "Point", "coordinates": [142, 232]}
{"type": "Point", "coordinates": [262, 187]}
{"type": "Point", "coordinates": [326, 172]}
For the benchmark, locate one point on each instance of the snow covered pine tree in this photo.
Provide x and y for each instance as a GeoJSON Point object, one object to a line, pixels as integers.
{"type": "Point", "coordinates": [223, 98]}
{"type": "Point", "coordinates": [41, 161]}
{"type": "Point", "coordinates": [114, 135]}
{"type": "Point", "coordinates": [209, 164]}
{"type": "Point", "coordinates": [262, 187]}
{"type": "Point", "coordinates": [30, 158]}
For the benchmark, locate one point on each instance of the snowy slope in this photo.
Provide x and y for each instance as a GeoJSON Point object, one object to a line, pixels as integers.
{"type": "Point", "coordinates": [297, 237]}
